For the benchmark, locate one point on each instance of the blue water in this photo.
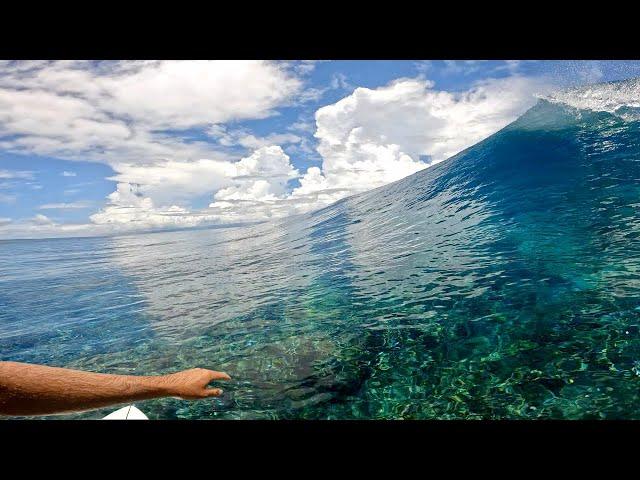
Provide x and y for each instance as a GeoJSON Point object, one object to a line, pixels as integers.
{"type": "Point", "coordinates": [501, 283]}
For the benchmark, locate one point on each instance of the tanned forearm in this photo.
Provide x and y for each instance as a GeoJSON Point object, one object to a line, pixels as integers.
{"type": "Point", "coordinates": [27, 389]}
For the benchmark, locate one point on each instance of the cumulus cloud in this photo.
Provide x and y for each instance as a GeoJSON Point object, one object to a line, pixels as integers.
{"type": "Point", "coordinates": [68, 174]}
{"type": "Point", "coordinates": [408, 118]}
{"type": "Point", "coordinates": [259, 188]}
{"type": "Point", "coordinates": [175, 181]}
{"type": "Point", "coordinates": [251, 189]}
{"type": "Point", "coordinates": [134, 117]}
{"type": "Point", "coordinates": [129, 209]}
{"type": "Point", "coordinates": [376, 136]}
{"type": "Point", "coordinates": [120, 114]}
{"type": "Point", "coordinates": [116, 112]}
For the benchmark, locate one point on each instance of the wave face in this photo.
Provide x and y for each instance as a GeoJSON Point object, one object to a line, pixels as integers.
{"type": "Point", "coordinates": [501, 283]}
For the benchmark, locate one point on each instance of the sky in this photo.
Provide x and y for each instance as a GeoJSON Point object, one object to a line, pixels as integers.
{"type": "Point", "coordinates": [104, 148]}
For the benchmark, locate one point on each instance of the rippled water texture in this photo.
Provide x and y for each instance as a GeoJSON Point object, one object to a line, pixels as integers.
{"type": "Point", "coordinates": [501, 283]}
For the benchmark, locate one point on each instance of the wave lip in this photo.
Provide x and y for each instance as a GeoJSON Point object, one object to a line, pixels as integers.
{"type": "Point", "coordinates": [619, 98]}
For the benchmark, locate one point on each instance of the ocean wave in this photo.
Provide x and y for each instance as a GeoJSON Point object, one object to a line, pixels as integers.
{"type": "Point", "coordinates": [503, 282]}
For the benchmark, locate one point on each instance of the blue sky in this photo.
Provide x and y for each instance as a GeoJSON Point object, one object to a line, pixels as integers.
{"type": "Point", "coordinates": [109, 147]}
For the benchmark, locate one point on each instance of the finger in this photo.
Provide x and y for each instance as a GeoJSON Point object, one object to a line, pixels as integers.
{"type": "Point", "coordinates": [218, 376]}
{"type": "Point", "coordinates": [212, 392]}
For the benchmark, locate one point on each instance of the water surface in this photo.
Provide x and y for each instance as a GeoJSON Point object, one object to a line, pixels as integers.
{"type": "Point", "coordinates": [501, 283]}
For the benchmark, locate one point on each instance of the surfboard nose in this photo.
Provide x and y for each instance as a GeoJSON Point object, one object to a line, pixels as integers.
{"type": "Point", "coordinates": [130, 412]}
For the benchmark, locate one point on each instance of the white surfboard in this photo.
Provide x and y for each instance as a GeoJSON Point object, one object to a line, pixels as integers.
{"type": "Point", "coordinates": [130, 412]}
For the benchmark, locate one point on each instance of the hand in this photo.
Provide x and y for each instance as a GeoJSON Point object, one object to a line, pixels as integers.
{"type": "Point", "coordinates": [192, 384]}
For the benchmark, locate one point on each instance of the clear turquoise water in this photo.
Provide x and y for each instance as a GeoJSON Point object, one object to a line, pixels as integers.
{"type": "Point", "coordinates": [501, 283]}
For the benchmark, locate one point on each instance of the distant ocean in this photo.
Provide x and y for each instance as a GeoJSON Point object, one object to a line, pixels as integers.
{"type": "Point", "coordinates": [501, 283]}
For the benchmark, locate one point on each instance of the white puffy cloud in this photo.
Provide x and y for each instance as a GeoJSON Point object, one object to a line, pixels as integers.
{"type": "Point", "coordinates": [128, 209]}
{"type": "Point", "coordinates": [175, 181]}
{"type": "Point", "coordinates": [316, 191]}
{"type": "Point", "coordinates": [408, 121]}
{"type": "Point", "coordinates": [251, 189]}
{"type": "Point", "coordinates": [153, 94]}
{"type": "Point", "coordinates": [132, 116]}
{"type": "Point", "coordinates": [183, 94]}
{"type": "Point", "coordinates": [116, 113]}
{"type": "Point", "coordinates": [69, 174]}
{"type": "Point", "coordinates": [377, 136]}
{"type": "Point", "coordinates": [267, 163]}
{"type": "Point", "coordinates": [259, 188]}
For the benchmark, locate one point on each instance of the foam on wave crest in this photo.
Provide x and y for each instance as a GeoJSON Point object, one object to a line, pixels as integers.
{"type": "Point", "coordinates": [621, 98]}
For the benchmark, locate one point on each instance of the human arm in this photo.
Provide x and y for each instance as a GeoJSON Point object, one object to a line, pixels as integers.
{"type": "Point", "coordinates": [27, 389]}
